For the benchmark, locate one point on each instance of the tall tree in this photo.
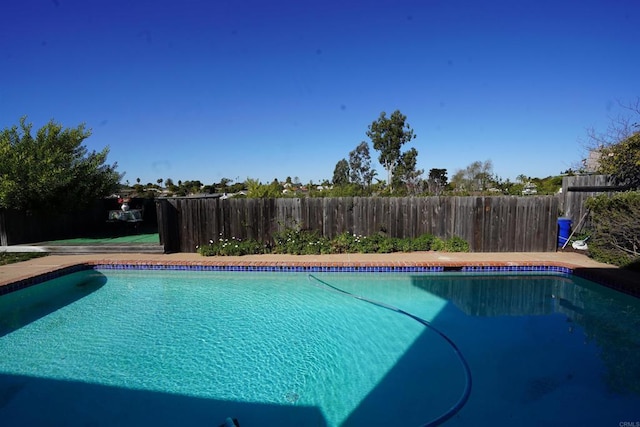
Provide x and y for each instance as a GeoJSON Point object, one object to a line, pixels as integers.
{"type": "Point", "coordinates": [52, 170]}
{"type": "Point", "coordinates": [341, 173]}
{"type": "Point", "coordinates": [406, 173]}
{"type": "Point", "coordinates": [360, 165]}
{"type": "Point", "coordinates": [437, 180]}
{"type": "Point", "coordinates": [485, 177]}
{"type": "Point", "coordinates": [388, 135]}
{"type": "Point", "coordinates": [475, 177]}
{"type": "Point", "coordinates": [224, 185]}
{"type": "Point", "coordinates": [189, 187]}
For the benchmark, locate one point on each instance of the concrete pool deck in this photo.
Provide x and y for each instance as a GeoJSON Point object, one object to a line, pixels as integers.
{"type": "Point", "coordinates": [581, 265]}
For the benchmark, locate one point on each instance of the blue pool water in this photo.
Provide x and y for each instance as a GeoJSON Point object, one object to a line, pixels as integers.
{"type": "Point", "coordinates": [192, 348]}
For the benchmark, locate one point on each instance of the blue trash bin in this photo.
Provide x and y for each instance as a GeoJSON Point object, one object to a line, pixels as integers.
{"type": "Point", "coordinates": [564, 230]}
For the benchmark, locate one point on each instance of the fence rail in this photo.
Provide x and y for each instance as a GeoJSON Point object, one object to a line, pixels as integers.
{"type": "Point", "coordinates": [489, 224]}
{"type": "Point", "coordinates": [575, 192]}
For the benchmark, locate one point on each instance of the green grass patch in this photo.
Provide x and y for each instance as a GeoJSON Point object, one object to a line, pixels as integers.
{"type": "Point", "coordinates": [14, 257]}
{"type": "Point", "coordinates": [152, 238]}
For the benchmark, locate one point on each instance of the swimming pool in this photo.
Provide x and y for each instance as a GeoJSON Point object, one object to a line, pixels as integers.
{"type": "Point", "coordinates": [109, 347]}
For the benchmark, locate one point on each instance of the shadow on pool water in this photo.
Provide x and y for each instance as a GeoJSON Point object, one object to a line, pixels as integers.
{"type": "Point", "coordinates": [27, 305]}
{"type": "Point", "coordinates": [38, 401]}
{"type": "Point", "coordinates": [558, 390]}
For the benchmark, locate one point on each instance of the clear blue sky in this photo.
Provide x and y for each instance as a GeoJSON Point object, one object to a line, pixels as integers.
{"type": "Point", "coordinates": [269, 89]}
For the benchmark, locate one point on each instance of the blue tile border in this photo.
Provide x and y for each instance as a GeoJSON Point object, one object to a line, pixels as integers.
{"type": "Point", "coordinates": [340, 269]}
{"type": "Point", "coordinates": [25, 283]}
{"type": "Point", "coordinates": [296, 268]}
{"type": "Point", "coordinates": [518, 269]}
{"type": "Point", "coordinates": [275, 268]}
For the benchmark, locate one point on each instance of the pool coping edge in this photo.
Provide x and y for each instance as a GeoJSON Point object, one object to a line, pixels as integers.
{"type": "Point", "coordinates": [595, 275]}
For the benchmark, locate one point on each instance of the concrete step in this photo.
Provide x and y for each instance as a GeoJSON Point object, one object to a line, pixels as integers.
{"type": "Point", "coordinates": [103, 249]}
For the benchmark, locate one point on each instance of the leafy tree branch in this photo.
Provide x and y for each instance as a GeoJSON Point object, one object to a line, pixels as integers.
{"type": "Point", "coordinates": [52, 170]}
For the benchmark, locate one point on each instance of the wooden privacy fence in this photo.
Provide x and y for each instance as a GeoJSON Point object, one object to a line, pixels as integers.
{"type": "Point", "coordinates": [489, 224]}
{"type": "Point", "coordinates": [576, 190]}
{"type": "Point", "coordinates": [20, 227]}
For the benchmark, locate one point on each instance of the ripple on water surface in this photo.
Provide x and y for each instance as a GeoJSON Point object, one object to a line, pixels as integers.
{"type": "Point", "coordinates": [248, 337]}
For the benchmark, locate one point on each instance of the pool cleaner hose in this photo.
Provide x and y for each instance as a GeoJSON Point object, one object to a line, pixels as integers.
{"type": "Point", "coordinates": [465, 366]}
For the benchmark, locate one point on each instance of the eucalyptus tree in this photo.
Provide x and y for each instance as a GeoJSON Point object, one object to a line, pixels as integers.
{"type": "Point", "coordinates": [360, 171]}
{"type": "Point", "coordinates": [406, 173]}
{"type": "Point", "coordinates": [341, 173]}
{"type": "Point", "coordinates": [388, 135]}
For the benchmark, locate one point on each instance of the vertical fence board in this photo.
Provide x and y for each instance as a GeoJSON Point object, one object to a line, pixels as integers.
{"type": "Point", "coordinates": [4, 241]}
{"type": "Point", "coordinates": [508, 225]}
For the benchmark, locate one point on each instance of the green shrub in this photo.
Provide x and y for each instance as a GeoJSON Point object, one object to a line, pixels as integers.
{"type": "Point", "coordinates": [232, 247]}
{"type": "Point", "coordinates": [300, 242]}
{"type": "Point", "coordinates": [345, 243]}
{"type": "Point", "coordinates": [615, 228]}
{"type": "Point", "coordinates": [437, 244]}
{"type": "Point", "coordinates": [304, 242]}
{"type": "Point", "coordinates": [405, 245]}
{"type": "Point", "coordinates": [424, 242]}
{"type": "Point", "coordinates": [607, 255]}
{"type": "Point", "coordinates": [456, 244]}
{"type": "Point", "coordinates": [370, 244]}
{"type": "Point", "coordinates": [414, 244]}
{"type": "Point", "coordinates": [389, 245]}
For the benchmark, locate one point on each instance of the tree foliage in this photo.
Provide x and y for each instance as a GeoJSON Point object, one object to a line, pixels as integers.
{"type": "Point", "coordinates": [341, 173]}
{"type": "Point", "coordinates": [616, 150]}
{"type": "Point", "coordinates": [474, 178]}
{"type": "Point", "coordinates": [360, 171]}
{"type": "Point", "coordinates": [615, 227]}
{"type": "Point", "coordinates": [257, 190]}
{"type": "Point", "coordinates": [388, 135]}
{"type": "Point", "coordinates": [52, 170]}
{"type": "Point", "coordinates": [622, 161]}
{"type": "Point", "coordinates": [619, 128]}
{"type": "Point", "coordinates": [437, 181]}
{"type": "Point", "coordinates": [406, 174]}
